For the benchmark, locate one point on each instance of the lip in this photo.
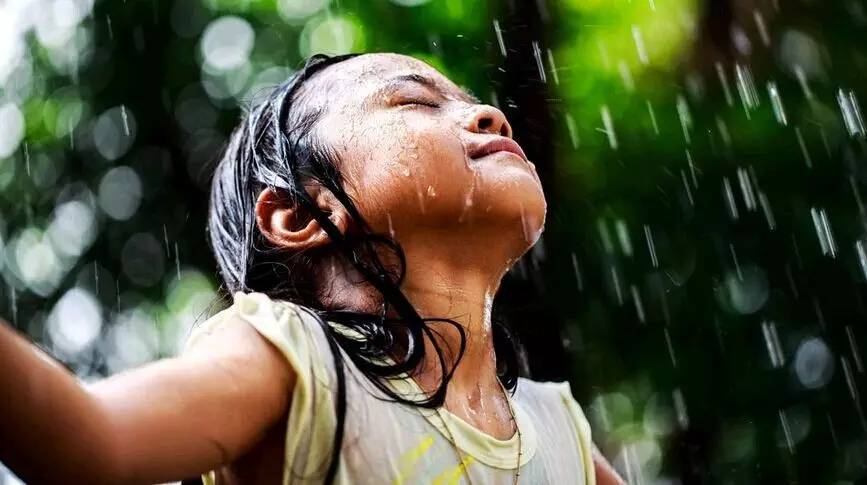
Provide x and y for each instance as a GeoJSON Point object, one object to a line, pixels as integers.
{"type": "Point", "coordinates": [494, 145]}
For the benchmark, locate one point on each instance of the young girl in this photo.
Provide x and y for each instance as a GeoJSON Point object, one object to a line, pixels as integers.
{"type": "Point", "coordinates": [362, 217]}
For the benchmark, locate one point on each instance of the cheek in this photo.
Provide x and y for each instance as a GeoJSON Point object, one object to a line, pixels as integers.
{"type": "Point", "coordinates": [404, 166]}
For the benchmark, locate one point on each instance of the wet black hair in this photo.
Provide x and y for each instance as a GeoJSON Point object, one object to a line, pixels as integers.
{"type": "Point", "coordinates": [276, 147]}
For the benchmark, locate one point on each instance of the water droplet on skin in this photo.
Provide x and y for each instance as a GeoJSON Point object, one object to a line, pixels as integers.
{"type": "Point", "coordinates": [390, 225]}
{"type": "Point", "coordinates": [430, 191]}
{"type": "Point", "coordinates": [406, 172]}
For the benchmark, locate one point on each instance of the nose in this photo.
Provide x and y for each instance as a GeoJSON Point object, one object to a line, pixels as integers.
{"type": "Point", "coordinates": [483, 118]}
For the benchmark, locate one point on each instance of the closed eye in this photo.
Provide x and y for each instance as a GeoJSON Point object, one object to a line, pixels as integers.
{"type": "Point", "coordinates": [419, 102]}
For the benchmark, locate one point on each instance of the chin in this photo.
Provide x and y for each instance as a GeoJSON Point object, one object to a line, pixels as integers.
{"type": "Point", "coordinates": [520, 218]}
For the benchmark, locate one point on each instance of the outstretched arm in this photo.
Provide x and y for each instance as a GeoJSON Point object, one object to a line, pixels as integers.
{"type": "Point", "coordinates": [164, 421]}
{"type": "Point", "coordinates": [605, 473]}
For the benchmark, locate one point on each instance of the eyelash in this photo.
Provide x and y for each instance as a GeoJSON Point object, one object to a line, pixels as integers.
{"type": "Point", "coordinates": [429, 104]}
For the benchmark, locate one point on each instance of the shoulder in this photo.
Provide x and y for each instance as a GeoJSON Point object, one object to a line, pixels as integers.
{"type": "Point", "coordinates": [268, 315]}
{"type": "Point", "coordinates": [555, 392]}
{"type": "Point", "coordinates": [295, 330]}
{"type": "Point", "coordinates": [554, 400]}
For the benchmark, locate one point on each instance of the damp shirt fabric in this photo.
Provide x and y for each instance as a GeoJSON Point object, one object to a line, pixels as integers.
{"type": "Point", "coordinates": [391, 443]}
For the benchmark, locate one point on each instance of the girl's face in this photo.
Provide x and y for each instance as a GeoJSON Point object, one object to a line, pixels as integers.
{"type": "Point", "coordinates": [422, 158]}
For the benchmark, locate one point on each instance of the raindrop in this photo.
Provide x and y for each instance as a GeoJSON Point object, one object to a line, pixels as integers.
{"type": "Point", "coordinates": [537, 53]}
{"type": "Point", "coordinates": [686, 188]}
{"type": "Point", "coordinates": [166, 241]}
{"type": "Point", "coordinates": [615, 278]}
{"type": "Point", "coordinates": [766, 208]}
{"type": "Point", "coordinates": [636, 299]}
{"type": "Point", "coordinates": [736, 263]}
{"type": "Point", "coordinates": [639, 45]}
{"type": "Point", "coordinates": [27, 158]}
{"type": "Point", "coordinates": [853, 390]}
{"type": "Point", "coordinates": [626, 76]}
{"type": "Point", "coordinates": [730, 199]}
{"type": "Point", "coordinates": [803, 145]}
{"type": "Point", "coordinates": [685, 117]}
{"type": "Point", "coordinates": [724, 82]}
{"type": "Point", "coordinates": [831, 430]}
{"type": "Point", "coordinates": [125, 119]}
{"type": "Point", "coordinates": [652, 118]}
{"type": "Point", "coordinates": [609, 127]}
{"type": "Point", "coordinates": [823, 231]}
{"type": "Point", "coordinates": [802, 81]}
{"type": "Point", "coordinates": [499, 34]}
{"type": "Point", "coordinates": [784, 422]}
{"type": "Point", "coordinates": [723, 131]}
{"type": "Point", "coordinates": [651, 247]}
{"type": "Point", "coordinates": [177, 261]}
{"type": "Point", "coordinates": [623, 237]}
{"type": "Point", "coordinates": [762, 27]}
{"type": "Point", "coordinates": [746, 189]}
{"type": "Point", "coordinates": [553, 67]}
{"type": "Point", "coordinates": [746, 89]}
{"type": "Point", "coordinates": [818, 309]}
{"type": "Point", "coordinates": [431, 192]}
{"type": "Point", "coordinates": [390, 225]}
{"type": "Point", "coordinates": [670, 346]}
{"type": "Point", "coordinates": [777, 103]}
{"type": "Point", "coordinates": [680, 408]}
{"type": "Point", "coordinates": [573, 130]}
{"type": "Point", "coordinates": [857, 194]}
{"type": "Point", "coordinates": [862, 256]}
{"type": "Point", "coordinates": [851, 113]}
{"type": "Point", "coordinates": [13, 302]}
{"type": "Point", "coordinates": [578, 278]}
{"type": "Point", "coordinates": [772, 342]}
{"type": "Point", "coordinates": [110, 30]}
{"type": "Point", "coordinates": [853, 345]}
{"type": "Point", "coordinates": [692, 171]}
{"type": "Point", "coordinates": [604, 235]}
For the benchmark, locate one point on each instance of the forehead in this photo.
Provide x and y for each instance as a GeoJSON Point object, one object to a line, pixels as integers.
{"type": "Point", "coordinates": [351, 81]}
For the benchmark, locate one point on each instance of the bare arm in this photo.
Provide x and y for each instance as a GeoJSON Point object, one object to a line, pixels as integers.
{"type": "Point", "coordinates": [168, 420]}
{"type": "Point", "coordinates": [605, 473]}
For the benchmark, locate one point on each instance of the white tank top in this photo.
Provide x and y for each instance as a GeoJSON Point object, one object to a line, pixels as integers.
{"type": "Point", "coordinates": [391, 443]}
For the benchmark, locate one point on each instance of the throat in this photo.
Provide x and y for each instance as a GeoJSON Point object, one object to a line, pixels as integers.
{"type": "Point", "coordinates": [485, 408]}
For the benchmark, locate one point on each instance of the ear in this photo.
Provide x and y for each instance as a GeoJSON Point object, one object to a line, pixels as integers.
{"type": "Point", "coordinates": [292, 227]}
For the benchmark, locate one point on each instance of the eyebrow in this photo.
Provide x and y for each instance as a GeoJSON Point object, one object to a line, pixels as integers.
{"type": "Point", "coordinates": [427, 82]}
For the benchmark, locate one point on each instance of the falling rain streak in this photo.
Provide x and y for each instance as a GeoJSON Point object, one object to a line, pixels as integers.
{"type": "Point", "coordinates": [608, 125]}
{"type": "Point", "coordinates": [746, 89]}
{"type": "Point", "coordinates": [537, 54]}
{"type": "Point", "coordinates": [777, 103]}
{"type": "Point", "coordinates": [851, 113]}
{"type": "Point", "coordinates": [823, 231]}
{"type": "Point", "coordinates": [499, 34]}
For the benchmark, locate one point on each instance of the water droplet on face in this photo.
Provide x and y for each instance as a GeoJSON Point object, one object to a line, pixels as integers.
{"type": "Point", "coordinates": [431, 192]}
{"type": "Point", "coordinates": [406, 172]}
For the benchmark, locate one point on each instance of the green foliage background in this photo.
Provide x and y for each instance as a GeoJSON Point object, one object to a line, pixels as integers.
{"type": "Point", "coordinates": [701, 278]}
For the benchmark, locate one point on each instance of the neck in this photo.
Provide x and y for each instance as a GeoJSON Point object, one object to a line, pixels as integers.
{"type": "Point", "coordinates": [453, 279]}
{"type": "Point", "coordinates": [458, 288]}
